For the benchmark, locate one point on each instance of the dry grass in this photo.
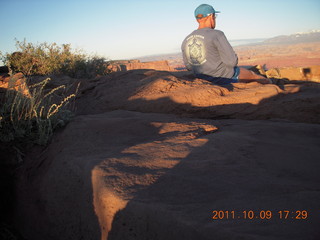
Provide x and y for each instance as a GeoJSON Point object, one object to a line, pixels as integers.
{"type": "Point", "coordinates": [34, 117]}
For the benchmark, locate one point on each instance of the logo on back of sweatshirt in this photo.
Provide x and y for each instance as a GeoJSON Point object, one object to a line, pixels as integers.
{"type": "Point", "coordinates": [195, 50]}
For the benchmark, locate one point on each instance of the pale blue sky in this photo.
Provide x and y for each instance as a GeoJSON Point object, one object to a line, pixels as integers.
{"type": "Point", "coordinates": [125, 29]}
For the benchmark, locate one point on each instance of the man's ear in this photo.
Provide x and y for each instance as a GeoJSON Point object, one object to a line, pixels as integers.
{"type": "Point", "coordinates": [203, 19]}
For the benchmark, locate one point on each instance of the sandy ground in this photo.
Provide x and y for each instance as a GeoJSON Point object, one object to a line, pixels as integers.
{"type": "Point", "coordinates": [152, 154]}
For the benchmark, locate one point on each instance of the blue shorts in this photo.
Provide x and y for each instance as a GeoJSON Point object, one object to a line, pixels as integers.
{"type": "Point", "coordinates": [221, 80]}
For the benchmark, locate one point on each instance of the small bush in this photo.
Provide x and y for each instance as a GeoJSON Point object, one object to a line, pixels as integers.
{"type": "Point", "coordinates": [33, 118]}
{"type": "Point", "coordinates": [46, 59]}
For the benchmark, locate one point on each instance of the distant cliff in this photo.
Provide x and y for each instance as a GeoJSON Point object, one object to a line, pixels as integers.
{"type": "Point", "coordinates": [126, 65]}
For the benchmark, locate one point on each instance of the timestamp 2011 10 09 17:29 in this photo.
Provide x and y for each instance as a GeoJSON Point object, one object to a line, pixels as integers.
{"type": "Point", "coordinates": [261, 214]}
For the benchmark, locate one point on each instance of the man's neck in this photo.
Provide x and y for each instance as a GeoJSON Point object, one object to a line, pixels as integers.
{"type": "Point", "coordinates": [205, 25]}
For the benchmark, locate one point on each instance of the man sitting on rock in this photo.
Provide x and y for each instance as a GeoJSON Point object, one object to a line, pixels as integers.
{"type": "Point", "coordinates": [209, 55]}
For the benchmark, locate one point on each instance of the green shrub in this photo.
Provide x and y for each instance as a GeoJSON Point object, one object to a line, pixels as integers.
{"type": "Point", "coordinates": [46, 59]}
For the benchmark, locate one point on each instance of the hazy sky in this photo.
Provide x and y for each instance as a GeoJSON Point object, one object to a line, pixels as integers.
{"type": "Point", "coordinates": [124, 29]}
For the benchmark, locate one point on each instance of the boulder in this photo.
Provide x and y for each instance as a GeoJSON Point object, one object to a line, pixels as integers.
{"type": "Point", "coordinates": [181, 94]}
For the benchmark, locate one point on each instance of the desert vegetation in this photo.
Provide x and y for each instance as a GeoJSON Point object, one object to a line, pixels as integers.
{"type": "Point", "coordinates": [31, 108]}
{"type": "Point", "coordinates": [51, 58]}
{"type": "Point", "coordinates": [34, 113]}
{"type": "Point", "coordinates": [33, 117]}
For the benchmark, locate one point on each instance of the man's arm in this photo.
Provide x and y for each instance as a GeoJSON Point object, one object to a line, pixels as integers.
{"type": "Point", "coordinates": [227, 54]}
{"type": "Point", "coordinates": [185, 60]}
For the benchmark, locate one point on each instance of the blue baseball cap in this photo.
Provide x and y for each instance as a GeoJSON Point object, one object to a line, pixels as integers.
{"type": "Point", "coordinates": [204, 10]}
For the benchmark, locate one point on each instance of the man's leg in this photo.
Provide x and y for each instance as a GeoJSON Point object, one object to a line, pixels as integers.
{"type": "Point", "coordinates": [249, 76]}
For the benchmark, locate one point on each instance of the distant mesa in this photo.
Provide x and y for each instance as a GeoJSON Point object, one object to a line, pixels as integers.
{"type": "Point", "coordinates": [126, 65]}
{"type": "Point", "coordinates": [313, 36]}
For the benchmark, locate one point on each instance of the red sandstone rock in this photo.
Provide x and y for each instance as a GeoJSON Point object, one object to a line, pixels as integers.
{"type": "Point", "coordinates": [296, 73]}
{"type": "Point", "coordinates": [16, 82]}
